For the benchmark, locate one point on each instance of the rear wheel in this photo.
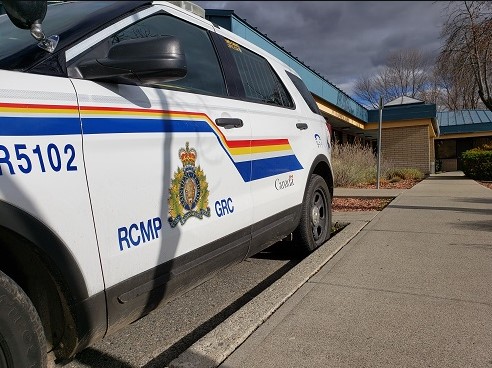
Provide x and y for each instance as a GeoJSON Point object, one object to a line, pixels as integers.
{"type": "Point", "coordinates": [315, 225]}
{"type": "Point", "coordinates": [22, 341]}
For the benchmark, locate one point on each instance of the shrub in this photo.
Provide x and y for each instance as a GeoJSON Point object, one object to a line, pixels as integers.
{"type": "Point", "coordinates": [477, 163]}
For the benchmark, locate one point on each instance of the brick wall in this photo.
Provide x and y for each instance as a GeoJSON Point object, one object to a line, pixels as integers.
{"type": "Point", "coordinates": [407, 147]}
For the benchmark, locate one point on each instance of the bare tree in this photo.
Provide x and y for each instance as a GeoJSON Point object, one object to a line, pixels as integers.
{"type": "Point", "coordinates": [465, 61]}
{"type": "Point", "coordinates": [454, 90]}
{"type": "Point", "coordinates": [406, 73]}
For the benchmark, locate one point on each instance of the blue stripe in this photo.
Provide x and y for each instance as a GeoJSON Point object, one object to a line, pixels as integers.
{"type": "Point", "coordinates": [274, 166]}
{"type": "Point", "coordinates": [39, 126]}
{"type": "Point", "coordinates": [34, 126]}
{"type": "Point", "coordinates": [22, 126]}
{"type": "Point", "coordinates": [112, 125]}
{"type": "Point", "coordinates": [244, 169]}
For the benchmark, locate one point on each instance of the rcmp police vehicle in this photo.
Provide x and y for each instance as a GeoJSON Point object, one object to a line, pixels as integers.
{"type": "Point", "coordinates": [141, 149]}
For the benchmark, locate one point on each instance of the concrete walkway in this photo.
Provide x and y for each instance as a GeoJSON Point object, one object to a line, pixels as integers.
{"type": "Point", "coordinates": [412, 288]}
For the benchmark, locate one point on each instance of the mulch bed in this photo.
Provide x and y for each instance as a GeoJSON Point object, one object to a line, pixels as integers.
{"type": "Point", "coordinates": [359, 204]}
{"type": "Point", "coordinates": [369, 204]}
{"type": "Point", "coordinates": [487, 184]}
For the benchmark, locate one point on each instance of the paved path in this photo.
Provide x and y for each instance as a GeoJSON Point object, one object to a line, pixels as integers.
{"type": "Point", "coordinates": [413, 288]}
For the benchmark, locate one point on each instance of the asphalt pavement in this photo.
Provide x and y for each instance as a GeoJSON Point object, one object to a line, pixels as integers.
{"type": "Point", "coordinates": [410, 286]}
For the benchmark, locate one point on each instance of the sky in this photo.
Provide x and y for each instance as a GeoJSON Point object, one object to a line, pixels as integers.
{"type": "Point", "coordinates": [344, 40]}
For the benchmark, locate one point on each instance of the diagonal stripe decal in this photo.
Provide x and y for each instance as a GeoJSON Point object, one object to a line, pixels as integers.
{"type": "Point", "coordinates": [254, 159]}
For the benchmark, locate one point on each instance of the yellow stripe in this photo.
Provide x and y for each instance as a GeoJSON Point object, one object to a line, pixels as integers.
{"type": "Point", "coordinates": [240, 151]}
{"type": "Point", "coordinates": [261, 149]}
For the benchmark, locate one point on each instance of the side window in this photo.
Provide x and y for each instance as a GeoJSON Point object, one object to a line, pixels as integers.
{"type": "Point", "coordinates": [204, 73]}
{"type": "Point", "coordinates": [306, 95]}
{"type": "Point", "coordinates": [260, 81]}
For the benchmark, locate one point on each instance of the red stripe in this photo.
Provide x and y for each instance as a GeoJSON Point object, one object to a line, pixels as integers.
{"type": "Point", "coordinates": [37, 106]}
{"type": "Point", "coordinates": [269, 142]}
{"type": "Point", "coordinates": [238, 144]}
{"type": "Point", "coordinates": [256, 143]}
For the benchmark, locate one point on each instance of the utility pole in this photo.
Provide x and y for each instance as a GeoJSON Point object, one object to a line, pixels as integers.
{"type": "Point", "coordinates": [379, 139]}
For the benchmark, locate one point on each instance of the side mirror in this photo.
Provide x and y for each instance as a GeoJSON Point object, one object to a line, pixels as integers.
{"type": "Point", "coordinates": [24, 14]}
{"type": "Point", "coordinates": [30, 15]}
{"type": "Point", "coordinates": [144, 60]}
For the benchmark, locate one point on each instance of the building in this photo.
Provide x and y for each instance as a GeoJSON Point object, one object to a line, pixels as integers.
{"type": "Point", "coordinates": [461, 131]}
{"type": "Point", "coordinates": [413, 133]}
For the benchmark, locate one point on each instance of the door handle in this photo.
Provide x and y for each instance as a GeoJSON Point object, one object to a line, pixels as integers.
{"type": "Point", "coordinates": [229, 123]}
{"type": "Point", "coordinates": [301, 126]}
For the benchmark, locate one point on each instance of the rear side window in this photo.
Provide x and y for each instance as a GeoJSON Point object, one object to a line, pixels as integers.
{"type": "Point", "coordinates": [261, 83]}
{"type": "Point", "coordinates": [306, 95]}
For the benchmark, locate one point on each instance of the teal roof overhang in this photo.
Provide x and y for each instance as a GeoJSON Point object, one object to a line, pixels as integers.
{"type": "Point", "coordinates": [465, 121]}
{"type": "Point", "coordinates": [407, 112]}
{"type": "Point", "coordinates": [404, 112]}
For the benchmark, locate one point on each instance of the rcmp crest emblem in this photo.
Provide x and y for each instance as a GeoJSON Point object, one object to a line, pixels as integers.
{"type": "Point", "coordinates": [188, 194]}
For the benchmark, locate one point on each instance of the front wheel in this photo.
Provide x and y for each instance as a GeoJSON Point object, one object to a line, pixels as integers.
{"type": "Point", "coordinates": [315, 225]}
{"type": "Point", "coordinates": [22, 341]}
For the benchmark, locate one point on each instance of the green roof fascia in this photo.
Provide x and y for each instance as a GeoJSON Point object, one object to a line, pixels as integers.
{"type": "Point", "coordinates": [466, 128]}
{"type": "Point", "coordinates": [314, 82]}
{"type": "Point", "coordinates": [404, 112]}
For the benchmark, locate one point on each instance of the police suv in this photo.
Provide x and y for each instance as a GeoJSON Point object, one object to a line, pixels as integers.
{"type": "Point", "coordinates": [142, 148]}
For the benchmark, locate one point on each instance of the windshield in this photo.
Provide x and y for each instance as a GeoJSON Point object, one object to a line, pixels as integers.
{"type": "Point", "coordinates": [17, 44]}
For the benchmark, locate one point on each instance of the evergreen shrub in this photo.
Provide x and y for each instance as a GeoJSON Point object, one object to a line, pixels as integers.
{"type": "Point", "coordinates": [477, 163]}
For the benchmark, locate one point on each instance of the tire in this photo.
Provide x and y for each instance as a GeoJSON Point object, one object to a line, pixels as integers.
{"type": "Point", "coordinates": [315, 225]}
{"type": "Point", "coordinates": [22, 341]}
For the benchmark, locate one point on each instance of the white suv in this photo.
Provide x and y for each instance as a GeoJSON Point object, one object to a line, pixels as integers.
{"type": "Point", "coordinates": [142, 148]}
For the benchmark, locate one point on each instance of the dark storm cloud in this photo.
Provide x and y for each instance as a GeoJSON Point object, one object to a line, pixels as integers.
{"type": "Point", "coordinates": [343, 40]}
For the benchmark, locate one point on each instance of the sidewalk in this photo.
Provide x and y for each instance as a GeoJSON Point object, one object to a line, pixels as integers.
{"type": "Point", "coordinates": [413, 288]}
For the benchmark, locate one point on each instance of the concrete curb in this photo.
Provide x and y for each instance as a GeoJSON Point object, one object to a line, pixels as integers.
{"type": "Point", "coordinates": [212, 349]}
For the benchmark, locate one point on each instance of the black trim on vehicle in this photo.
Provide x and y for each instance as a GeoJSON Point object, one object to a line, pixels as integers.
{"type": "Point", "coordinates": [137, 296]}
{"type": "Point", "coordinates": [305, 94]}
{"type": "Point", "coordinates": [231, 73]}
{"type": "Point", "coordinates": [90, 321]}
{"type": "Point", "coordinates": [273, 229]}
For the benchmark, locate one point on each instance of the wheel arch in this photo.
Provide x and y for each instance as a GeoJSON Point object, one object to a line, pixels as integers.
{"type": "Point", "coordinates": [321, 166]}
{"type": "Point", "coordinates": [43, 266]}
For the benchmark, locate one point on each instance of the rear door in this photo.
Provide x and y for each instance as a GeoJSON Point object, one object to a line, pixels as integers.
{"type": "Point", "coordinates": [281, 153]}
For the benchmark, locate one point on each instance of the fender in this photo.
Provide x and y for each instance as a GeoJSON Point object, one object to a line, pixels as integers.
{"type": "Point", "coordinates": [49, 244]}
{"type": "Point", "coordinates": [321, 166]}
{"type": "Point", "coordinates": [88, 313]}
